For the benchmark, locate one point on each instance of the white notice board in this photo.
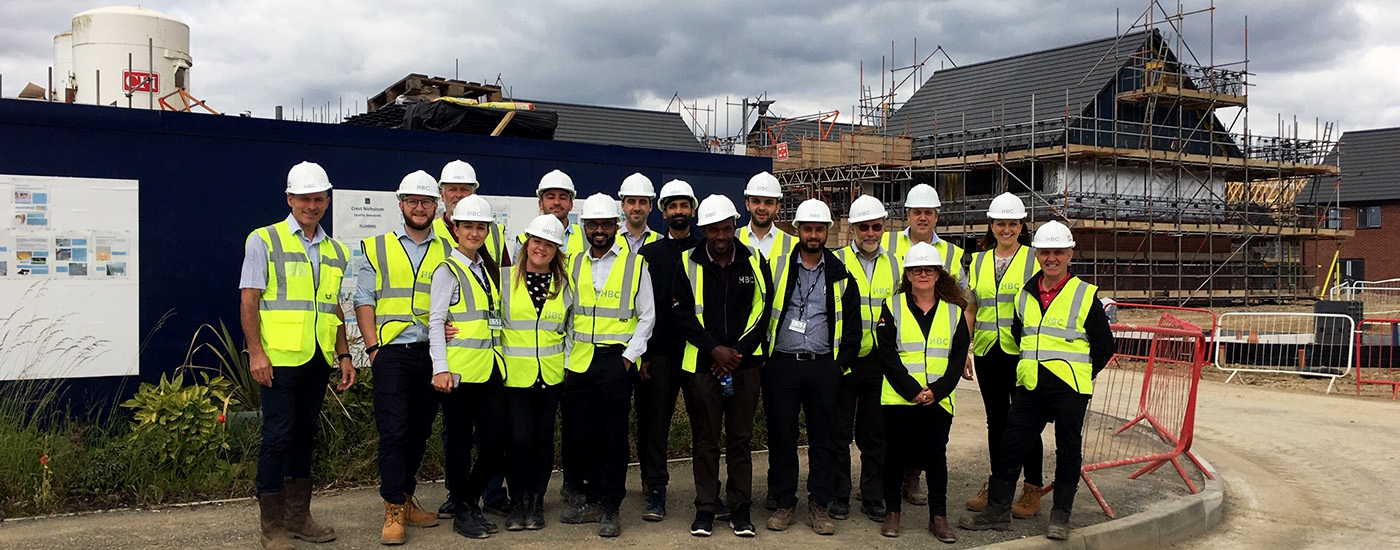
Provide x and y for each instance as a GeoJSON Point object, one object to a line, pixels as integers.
{"type": "Point", "coordinates": [69, 277]}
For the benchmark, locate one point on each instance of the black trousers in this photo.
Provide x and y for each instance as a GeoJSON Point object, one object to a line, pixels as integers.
{"type": "Point", "coordinates": [711, 412]}
{"type": "Point", "coordinates": [530, 414]}
{"type": "Point", "coordinates": [858, 417]}
{"type": "Point", "coordinates": [656, 406]}
{"type": "Point", "coordinates": [291, 410]}
{"type": "Point", "coordinates": [471, 415]}
{"type": "Point", "coordinates": [810, 387]}
{"type": "Point", "coordinates": [404, 406]}
{"type": "Point", "coordinates": [597, 405]}
{"type": "Point", "coordinates": [917, 439]}
{"type": "Point", "coordinates": [1051, 401]}
{"type": "Point", "coordinates": [996, 377]}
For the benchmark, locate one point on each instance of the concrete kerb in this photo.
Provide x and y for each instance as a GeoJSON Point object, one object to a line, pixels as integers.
{"type": "Point", "coordinates": [1166, 523]}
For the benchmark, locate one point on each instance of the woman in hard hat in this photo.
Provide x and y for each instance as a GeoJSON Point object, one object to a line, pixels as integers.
{"type": "Point", "coordinates": [920, 332]}
{"type": "Point", "coordinates": [997, 274]}
{"type": "Point", "coordinates": [536, 304]}
{"type": "Point", "coordinates": [465, 290]}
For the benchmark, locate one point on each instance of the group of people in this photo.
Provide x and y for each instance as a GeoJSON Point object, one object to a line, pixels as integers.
{"type": "Point", "coordinates": [583, 321]}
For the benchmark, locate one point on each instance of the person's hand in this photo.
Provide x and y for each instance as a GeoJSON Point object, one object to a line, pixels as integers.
{"type": "Point", "coordinates": [968, 370]}
{"type": "Point", "coordinates": [626, 364]}
{"type": "Point", "coordinates": [643, 370]}
{"type": "Point", "coordinates": [450, 330]}
{"type": "Point", "coordinates": [261, 367]}
{"type": "Point", "coordinates": [726, 360]}
{"type": "Point", "coordinates": [347, 374]}
{"type": "Point", "coordinates": [925, 397]}
{"type": "Point", "coordinates": [371, 356]}
{"type": "Point", "coordinates": [442, 382]}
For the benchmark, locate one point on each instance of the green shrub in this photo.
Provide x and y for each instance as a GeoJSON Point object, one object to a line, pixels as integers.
{"type": "Point", "coordinates": [183, 424]}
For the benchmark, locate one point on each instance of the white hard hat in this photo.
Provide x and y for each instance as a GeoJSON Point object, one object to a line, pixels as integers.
{"type": "Point", "coordinates": [716, 209]}
{"type": "Point", "coordinates": [922, 254]}
{"type": "Point", "coordinates": [636, 185]}
{"type": "Point", "coordinates": [812, 211]}
{"type": "Point", "coordinates": [556, 180]}
{"type": "Point", "coordinates": [600, 207]}
{"type": "Point", "coordinates": [677, 188]}
{"type": "Point", "coordinates": [922, 196]}
{"type": "Point", "coordinates": [418, 183]}
{"type": "Point", "coordinates": [306, 178]}
{"type": "Point", "coordinates": [1052, 235]}
{"type": "Point", "coordinates": [866, 208]}
{"type": "Point", "coordinates": [458, 171]}
{"type": "Point", "coordinates": [472, 209]}
{"type": "Point", "coordinates": [547, 227]}
{"type": "Point", "coordinates": [1007, 207]}
{"type": "Point", "coordinates": [763, 184]}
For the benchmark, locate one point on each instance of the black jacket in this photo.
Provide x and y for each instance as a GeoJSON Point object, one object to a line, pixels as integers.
{"type": "Point", "coordinates": [850, 304]}
{"type": "Point", "coordinates": [887, 349]}
{"type": "Point", "coordinates": [1102, 346]}
{"type": "Point", "coordinates": [662, 257]}
{"type": "Point", "coordinates": [728, 301]}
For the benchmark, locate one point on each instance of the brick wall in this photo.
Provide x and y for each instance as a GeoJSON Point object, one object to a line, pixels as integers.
{"type": "Point", "coordinates": [1377, 246]}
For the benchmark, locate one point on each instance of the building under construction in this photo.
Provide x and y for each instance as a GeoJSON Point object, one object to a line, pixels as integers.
{"type": "Point", "coordinates": [1143, 148]}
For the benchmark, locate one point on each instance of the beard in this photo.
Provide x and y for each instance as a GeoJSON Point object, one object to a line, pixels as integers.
{"type": "Point", "coordinates": [678, 222]}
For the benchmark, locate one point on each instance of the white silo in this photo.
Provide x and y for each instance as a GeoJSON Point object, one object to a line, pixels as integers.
{"type": "Point", "coordinates": [135, 49]}
{"type": "Point", "coordinates": [62, 64]}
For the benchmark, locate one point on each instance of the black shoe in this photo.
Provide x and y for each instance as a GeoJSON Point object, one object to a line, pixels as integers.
{"type": "Point", "coordinates": [839, 509]}
{"type": "Point", "coordinates": [991, 518]}
{"type": "Point", "coordinates": [703, 525]}
{"type": "Point", "coordinates": [480, 518]}
{"type": "Point", "coordinates": [740, 521]}
{"type": "Point", "coordinates": [609, 526]}
{"type": "Point", "coordinates": [534, 515]}
{"type": "Point", "coordinates": [656, 505]}
{"type": "Point", "coordinates": [500, 507]}
{"type": "Point", "coordinates": [515, 519]}
{"type": "Point", "coordinates": [873, 509]}
{"type": "Point", "coordinates": [721, 511]}
{"type": "Point", "coordinates": [449, 509]}
{"type": "Point", "coordinates": [466, 525]}
{"type": "Point", "coordinates": [1059, 525]}
{"type": "Point", "coordinates": [588, 513]}
{"type": "Point", "coordinates": [571, 495]}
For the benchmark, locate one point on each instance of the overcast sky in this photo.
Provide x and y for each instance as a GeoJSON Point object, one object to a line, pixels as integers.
{"type": "Point", "coordinates": [1333, 60]}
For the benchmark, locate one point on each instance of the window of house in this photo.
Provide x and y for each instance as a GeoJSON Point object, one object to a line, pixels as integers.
{"type": "Point", "coordinates": [1334, 218]}
{"type": "Point", "coordinates": [1368, 217]}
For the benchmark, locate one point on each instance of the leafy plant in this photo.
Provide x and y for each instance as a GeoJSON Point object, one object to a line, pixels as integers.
{"type": "Point", "coordinates": [232, 364]}
{"type": "Point", "coordinates": [183, 424]}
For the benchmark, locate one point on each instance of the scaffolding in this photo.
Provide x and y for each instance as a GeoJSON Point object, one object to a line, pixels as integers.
{"type": "Point", "coordinates": [1169, 203]}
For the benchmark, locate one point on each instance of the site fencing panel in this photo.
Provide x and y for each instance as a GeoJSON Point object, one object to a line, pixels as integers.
{"type": "Point", "coordinates": [1309, 344]}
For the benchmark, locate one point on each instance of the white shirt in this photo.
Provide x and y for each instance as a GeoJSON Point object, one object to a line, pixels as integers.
{"type": "Point", "coordinates": [646, 302]}
{"type": "Point", "coordinates": [765, 243]}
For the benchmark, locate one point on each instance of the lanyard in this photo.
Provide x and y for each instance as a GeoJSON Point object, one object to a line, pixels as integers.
{"type": "Point", "coordinates": [490, 304]}
{"type": "Point", "coordinates": [806, 297]}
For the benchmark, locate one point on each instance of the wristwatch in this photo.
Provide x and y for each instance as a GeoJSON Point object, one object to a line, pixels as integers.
{"type": "Point", "coordinates": [342, 357]}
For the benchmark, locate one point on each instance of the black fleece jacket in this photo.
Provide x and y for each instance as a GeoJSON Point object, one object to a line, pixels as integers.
{"type": "Point", "coordinates": [728, 301]}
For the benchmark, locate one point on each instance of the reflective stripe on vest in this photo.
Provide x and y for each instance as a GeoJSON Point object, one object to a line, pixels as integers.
{"type": "Point", "coordinates": [899, 242]}
{"type": "Point", "coordinates": [996, 298]}
{"type": "Point", "coordinates": [299, 311]}
{"type": "Point", "coordinates": [608, 316]}
{"type": "Point", "coordinates": [471, 353]}
{"type": "Point", "coordinates": [783, 244]}
{"type": "Point", "coordinates": [494, 244]}
{"type": "Point", "coordinates": [924, 358]}
{"type": "Point", "coordinates": [873, 290]}
{"type": "Point", "coordinates": [697, 288]}
{"type": "Point", "coordinates": [780, 290]}
{"type": "Point", "coordinates": [532, 344]}
{"type": "Point", "coordinates": [626, 244]}
{"type": "Point", "coordinates": [401, 290]}
{"type": "Point", "coordinates": [1057, 338]}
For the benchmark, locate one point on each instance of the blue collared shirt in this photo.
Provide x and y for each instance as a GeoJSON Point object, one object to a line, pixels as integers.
{"type": "Point", "coordinates": [808, 304]}
{"type": "Point", "coordinates": [254, 272]}
{"type": "Point", "coordinates": [365, 277]}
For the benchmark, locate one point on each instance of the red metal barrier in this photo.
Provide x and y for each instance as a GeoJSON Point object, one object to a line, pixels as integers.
{"type": "Point", "coordinates": [1378, 351]}
{"type": "Point", "coordinates": [1206, 319]}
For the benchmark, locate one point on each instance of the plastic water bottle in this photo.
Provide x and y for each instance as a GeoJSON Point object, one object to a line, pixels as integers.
{"type": "Point", "coordinates": [726, 385]}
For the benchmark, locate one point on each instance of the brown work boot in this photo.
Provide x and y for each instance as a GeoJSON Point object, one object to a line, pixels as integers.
{"type": "Point", "coordinates": [300, 524]}
{"type": "Point", "coordinates": [890, 527]}
{"type": "Point", "coordinates": [781, 519]}
{"type": "Point", "coordinates": [938, 525]}
{"type": "Point", "coordinates": [392, 532]}
{"type": "Point", "coordinates": [415, 516]}
{"type": "Point", "coordinates": [977, 503]}
{"type": "Point", "coordinates": [272, 514]}
{"type": "Point", "coordinates": [1028, 505]}
{"type": "Point", "coordinates": [914, 492]}
{"type": "Point", "coordinates": [819, 519]}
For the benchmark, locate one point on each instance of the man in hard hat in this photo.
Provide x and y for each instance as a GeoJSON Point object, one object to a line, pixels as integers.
{"type": "Point", "coordinates": [292, 322]}
{"type": "Point", "coordinates": [761, 198]}
{"type": "Point", "coordinates": [1065, 341]}
{"type": "Point", "coordinates": [721, 300]}
{"type": "Point", "coordinates": [458, 181]}
{"type": "Point", "coordinates": [612, 320]}
{"type": "Point", "coordinates": [391, 309]}
{"type": "Point", "coordinates": [815, 333]}
{"type": "Point", "coordinates": [636, 195]}
{"type": "Point", "coordinates": [556, 193]}
{"type": "Point", "coordinates": [660, 377]}
{"type": "Point", "coordinates": [876, 273]}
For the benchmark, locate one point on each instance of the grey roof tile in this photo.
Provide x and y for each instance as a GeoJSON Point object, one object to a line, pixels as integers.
{"type": "Point", "coordinates": [1370, 170]}
{"type": "Point", "coordinates": [621, 126]}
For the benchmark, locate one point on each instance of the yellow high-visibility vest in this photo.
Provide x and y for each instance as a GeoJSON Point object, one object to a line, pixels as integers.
{"type": "Point", "coordinates": [924, 358]}
{"type": "Point", "coordinates": [1057, 338]}
{"type": "Point", "coordinates": [608, 316]}
{"type": "Point", "coordinates": [532, 343]}
{"type": "Point", "coordinates": [780, 290]}
{"type": "Point", "coordinates": [647, 238]}
{"type": "Point", "coordinates": [495, 242]}
{"type": "Point", "coordinates": [697, 287]}
{"type": "Point", "coordinates": [996, 298]}
{"type": "Point", "coordinates": [401, 292]}
{"type": "Point", "coordinates": [298, 311]}
{"type": "Point", "coordinates": [874, 290]}
{"type": "Point", "coordinates": [783, 243]}
{"type": "Point", "coordinates": [472, 352]}
{"type": "Point", "coordinates": [899, 242]}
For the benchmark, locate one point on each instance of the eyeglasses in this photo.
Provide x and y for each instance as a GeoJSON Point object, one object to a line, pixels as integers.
{"type": "Point", "coordinates": [599, 224]}
{"type": "Point", "coordinates": [922, 271]}
{"type": "Point", "coordinates": [419, 203]}
{"type": "Point", "coordinates": [870, 227]}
